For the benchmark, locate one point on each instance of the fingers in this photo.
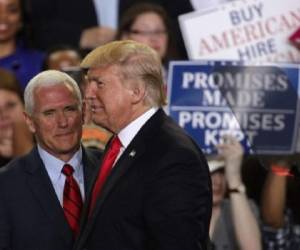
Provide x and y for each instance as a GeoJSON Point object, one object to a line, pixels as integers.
{"type": "Point", "coordinates": [230, 148]}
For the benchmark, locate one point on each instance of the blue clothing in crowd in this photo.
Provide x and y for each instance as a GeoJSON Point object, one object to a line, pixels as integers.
{"type": "Point", "coordinates": [24, 63]}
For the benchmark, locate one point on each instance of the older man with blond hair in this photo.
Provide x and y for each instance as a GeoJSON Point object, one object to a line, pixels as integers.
{"type": "Point", "coordinates": [153, 189]}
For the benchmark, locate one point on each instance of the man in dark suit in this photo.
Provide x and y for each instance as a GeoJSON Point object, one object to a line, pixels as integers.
{"type": "Point", "coordinates": [158, 193]}
{"type": "Point", "coordinates": [33, 187]}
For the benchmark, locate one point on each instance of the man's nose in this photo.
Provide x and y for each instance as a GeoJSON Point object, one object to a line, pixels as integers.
{"type": "Point", "coordinates": [62, 119]}
{"type": "Point", "coordinates": [90, 90]}
{"type": "Point", "coordinates": [3, 15]}
{"type": "Point", "coordinates": [3, 113]}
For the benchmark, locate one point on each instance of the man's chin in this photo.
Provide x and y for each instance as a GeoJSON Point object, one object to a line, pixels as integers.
{"type": "Point", "coordinates": [65, 148]}
{"type": "Point", "coordinates": [100, 122]}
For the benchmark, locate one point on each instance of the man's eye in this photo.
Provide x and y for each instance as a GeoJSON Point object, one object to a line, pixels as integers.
{"type": "Point", "coordinates": [99, 83]}
{"type": "Point", "coordinates": [48, 112]}
{"type": "Point", "coordinates": [11, 105]}
{"type": "Point", "coordinates": [71, 108]}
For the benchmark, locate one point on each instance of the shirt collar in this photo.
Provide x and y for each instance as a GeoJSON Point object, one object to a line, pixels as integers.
{"type": "Point", "coordinates": [54, 165]}
{"type": "Point", "coordinates": [128, 133]}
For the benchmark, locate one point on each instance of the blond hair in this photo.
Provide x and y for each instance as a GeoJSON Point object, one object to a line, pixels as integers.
{"type": "Point", "coordinates": [136, 61]}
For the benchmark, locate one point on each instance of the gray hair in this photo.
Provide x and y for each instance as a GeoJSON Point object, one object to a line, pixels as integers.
{"type": "Point", "coordinates": [48, 78]}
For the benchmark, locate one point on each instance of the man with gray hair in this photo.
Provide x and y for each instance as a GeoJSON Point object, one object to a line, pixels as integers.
{"type": "Point", "coordinates": [153, 189]}
{"type": "Point", "coordinates": [42, 193]}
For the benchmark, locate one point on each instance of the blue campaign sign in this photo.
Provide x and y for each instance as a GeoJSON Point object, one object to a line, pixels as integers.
{"type": "Point", "coordinates": [256, 104]}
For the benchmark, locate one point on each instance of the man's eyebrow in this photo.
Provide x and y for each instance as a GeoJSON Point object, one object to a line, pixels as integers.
{"type": "Point", "coordinates": [92, 77]}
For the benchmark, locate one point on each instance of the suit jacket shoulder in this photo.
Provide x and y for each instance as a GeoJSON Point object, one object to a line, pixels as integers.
{"type": "Point", "coordinates": [158, 195]}
{"type": "Point", "coordinates": [31, 216]}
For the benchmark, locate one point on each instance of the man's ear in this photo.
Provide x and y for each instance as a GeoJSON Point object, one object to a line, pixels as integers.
{"type": "Point", "coordinates": [138, 93]}
{"type": "Point", "coordinates": [29, 122]}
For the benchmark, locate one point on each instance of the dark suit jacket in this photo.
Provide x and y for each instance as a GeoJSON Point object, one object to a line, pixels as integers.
{"type": "Point", "coordinates": [31, 217]}
{"type": "Point", "coordinates": [157, 197]}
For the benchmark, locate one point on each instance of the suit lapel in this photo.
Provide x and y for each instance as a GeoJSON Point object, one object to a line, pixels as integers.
{"type": "Point", "coordinates": [90, 165]}
{"type": "Point", "coordinates": [133, 152]}
{"type": "Point", "coordinates": [41, 187]}
{"type": "Point", "coordinates": [130, 155]}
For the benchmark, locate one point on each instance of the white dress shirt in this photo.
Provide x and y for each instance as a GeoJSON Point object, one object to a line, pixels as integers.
{"type": "Point", "coordinates": [54, 167]}
{"type": "Point", "coordinates": [127, 134]}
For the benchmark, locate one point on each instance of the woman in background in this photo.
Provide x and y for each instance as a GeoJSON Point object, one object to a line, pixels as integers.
{"type": "Point", "coordinates": [15, 54]}
{"type": "Point", "coordinates": [149, 24]}
{"type": "Point", "coordinates": [15, 138]}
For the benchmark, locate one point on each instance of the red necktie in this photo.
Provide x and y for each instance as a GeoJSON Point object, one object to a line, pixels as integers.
{"type": "Point", "coordinates": [72, 201]}
{"type": "Point", "coordinates": [105, 169]}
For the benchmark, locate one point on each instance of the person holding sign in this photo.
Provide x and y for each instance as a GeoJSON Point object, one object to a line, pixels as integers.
{"type": "Point", "coordinates": [233, 224]}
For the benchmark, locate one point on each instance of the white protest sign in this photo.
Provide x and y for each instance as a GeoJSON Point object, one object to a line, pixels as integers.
{"type": "Point", "coordinates": [246, 30]}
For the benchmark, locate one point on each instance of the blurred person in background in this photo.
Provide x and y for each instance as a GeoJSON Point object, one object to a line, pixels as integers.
{"type": "Point", "coordinates": [82, 24]}
{"type": "Point", "coordinates": [15, 52]}
{"type": "Point", "coordinates": [175, 8]}
{"type": "Point", "coordinates": [280, 206]}
{"type": "Point", "coordinates": [66, 58]}
{"type": "Point", "coordinates": [280, 203]}
{"type": "Point", "coordinates": [62, 57]}
{"type": "Point", "coordinates": [15, 137]}
{"type": "Point", "coordinates": [234, 223]}
{"type": "Point", "coordinates": [149, 24]}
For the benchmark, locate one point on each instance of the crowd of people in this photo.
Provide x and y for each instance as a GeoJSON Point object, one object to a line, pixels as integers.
{"type": "Point", "coordinates": [90, 160]}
